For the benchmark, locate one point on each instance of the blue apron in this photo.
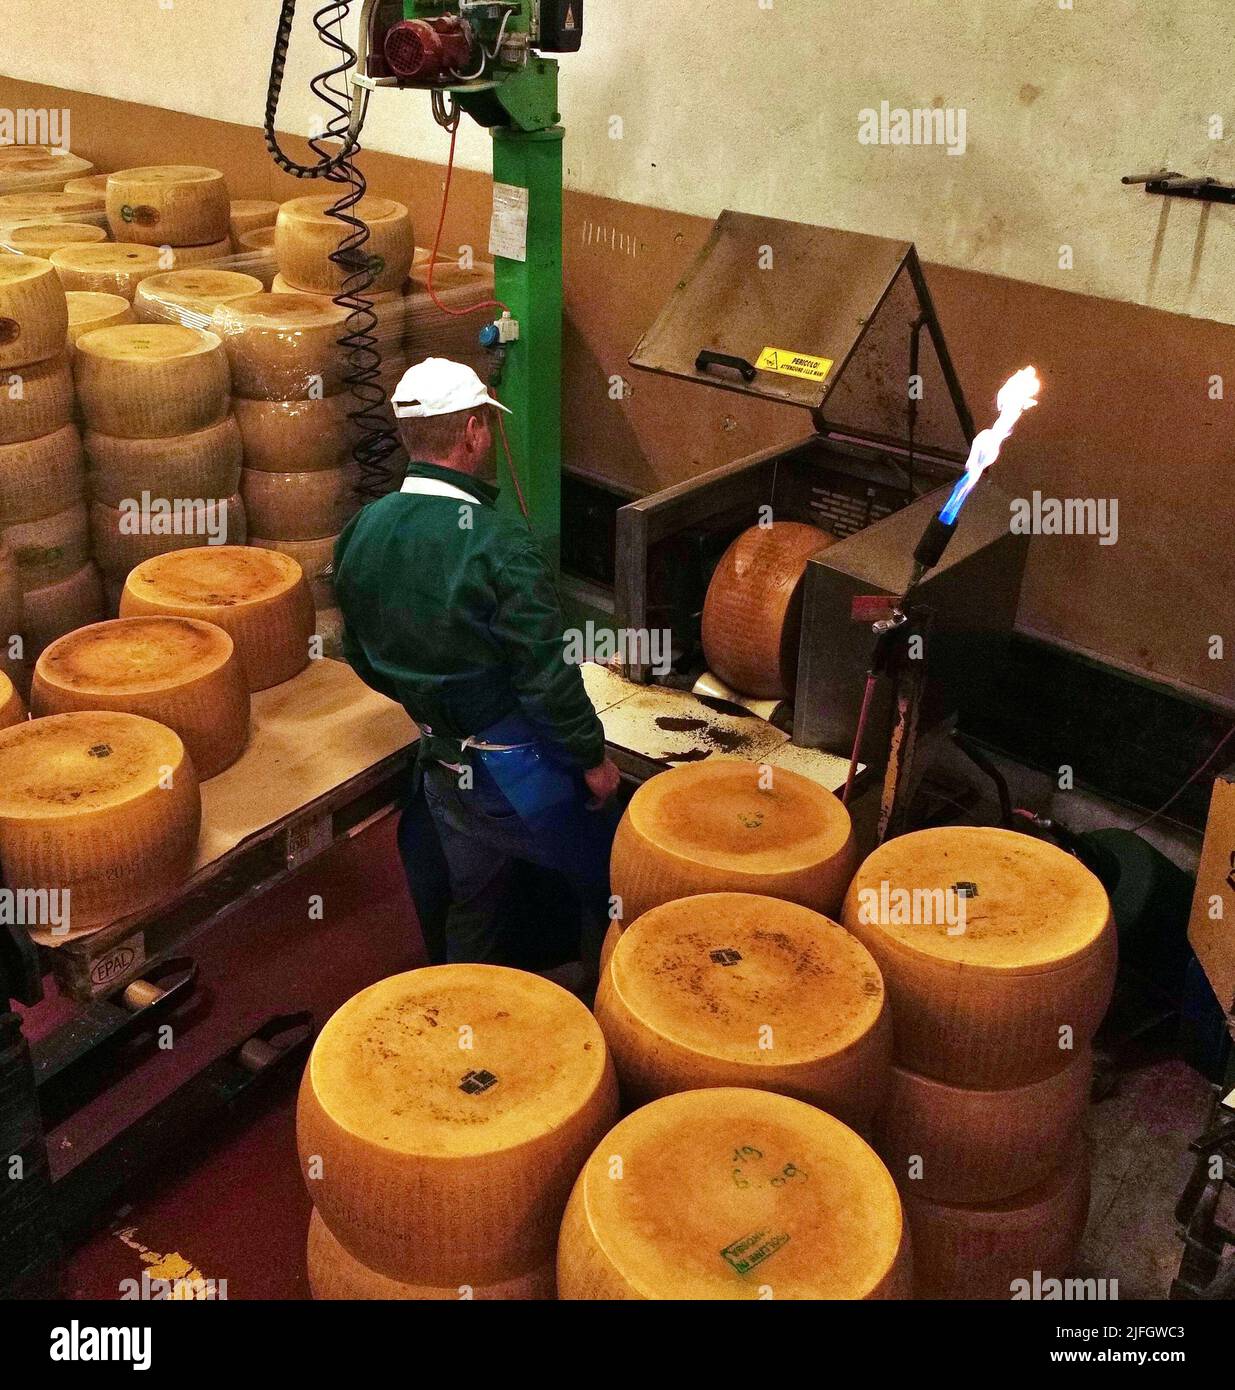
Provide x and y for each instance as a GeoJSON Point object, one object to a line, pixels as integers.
{"type": "Point", "coordinates": [525, 771]}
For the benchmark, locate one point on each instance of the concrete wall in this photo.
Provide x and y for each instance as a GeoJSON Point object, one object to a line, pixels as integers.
{"type": "Point", "coordinates": [754, 104]}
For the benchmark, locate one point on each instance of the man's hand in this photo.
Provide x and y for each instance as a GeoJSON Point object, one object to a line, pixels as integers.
{"type": "Point", "coordinates": [602, 782]}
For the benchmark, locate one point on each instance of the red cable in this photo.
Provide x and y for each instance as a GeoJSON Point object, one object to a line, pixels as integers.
{"type": "Point", "coordinates": [858, 737]}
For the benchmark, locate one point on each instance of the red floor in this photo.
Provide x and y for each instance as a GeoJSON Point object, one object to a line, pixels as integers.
{"type": "Point", "coordinates": [235, 1208]}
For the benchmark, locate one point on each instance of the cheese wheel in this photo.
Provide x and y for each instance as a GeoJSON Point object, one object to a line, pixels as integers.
{"type": "Point", "coordinates": [334, 1274]}
{"type": "Point", "coordinates": [305, 237]}
{"type": "Point", "coordinates": [205, 463]}
{"type": "Point", "coordinates": [752, 615]}
{"type": "Point", "coordinates": [444, 1164]}
{"type": "Point", "coordinates": [18, 153]}
{"type": "Point", "coordinates": [91, 309]}
{"type": "Point", "coordinates": [731, 989]}
{"type": "Point", "coordinates": [93, 186]}
{"type": "Point", "coordinates": [299, 506]}
{"type": "Point", "coordinates": [281, 285]}
{"type": "Point", "coordinates": [186, 257]}
{"type": "Point", "coordinates": [55, 609]}
{"type": "Point", "coordinates": [42, 238]}
{"type": "Point", "coordinates": [731, 1194]}
{"type": "Point", "coordinates": [113, 268]}
{"type": "Point", "coordinates": [40, 477]}
{"type": "Point", "coordinates": [1011, 956]}
{"type": "Point", "coordinates": [730, 826]}
{"type": "Point", "coordinates": [41, 168]}
{"type": "Point", "coordinates": [36, 399]}
{"type": "Point", "coordinates": [963, 1252]}
{"type": "Point", "coordinates": [177, 671]}
{"type": "Point", "coordinates": [151, 380]}
{"type": "Point", "coordinates": [149, 525]}
{"type": "Point", "coordinates": [256, 239]}
{"type": "Point", "coordinates": [102, 805]}
{"type": "Point", "coordinates": [169, 205]}
{"type": "Point", "coordinates": [30, 206]}
{"type": "Point", "coordinates": [33, 315]}
{"type": "Point", "coordinates": [283, 347]}
{"type": "Point", "coordinates": [258, 596]}
{"type": "Point", "coordinates": [248, 215]}
{"type": "Point", "coordinates": [328, 629]}
{"type": "Point", "coordinates": [958, 1144]}
{"type": "Point", "coordinates": [12, 706]}
{"type": "Point", "coordinates": [10, 597]}
{"type": "Point", "coordinates": [190, 296]}
{"type": "Point", "coordinates": [311, 434]}
{"type": "Point", "coordinates": [315, 557]}
{"type": "Point", "coordinates": [51, 548]}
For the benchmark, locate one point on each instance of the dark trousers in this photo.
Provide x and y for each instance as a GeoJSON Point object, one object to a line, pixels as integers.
{"type": "Point", "coordinates": [460, 849]}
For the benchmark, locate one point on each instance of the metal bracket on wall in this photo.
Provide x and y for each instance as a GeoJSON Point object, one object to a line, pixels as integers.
{"type": "Point", "coordinates": [1172, 185]}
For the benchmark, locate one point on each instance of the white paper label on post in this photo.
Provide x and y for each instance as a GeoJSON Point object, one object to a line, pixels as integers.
{"type": "Point", "coordinates": [508, 226]}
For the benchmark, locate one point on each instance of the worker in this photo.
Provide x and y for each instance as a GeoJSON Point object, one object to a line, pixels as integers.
{"type": "Point", "coordinates": [450, 607]}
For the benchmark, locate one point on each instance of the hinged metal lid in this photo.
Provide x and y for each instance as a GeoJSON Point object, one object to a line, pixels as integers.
{"type": "Point", "coordinates": [838, 323]}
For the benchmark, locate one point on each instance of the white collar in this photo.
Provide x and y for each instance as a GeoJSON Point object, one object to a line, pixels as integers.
{"type": "Point", "coordinates": [435, 487]}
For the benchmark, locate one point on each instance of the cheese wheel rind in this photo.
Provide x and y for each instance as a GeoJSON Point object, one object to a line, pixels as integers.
{"type": "Point", "coordinates": [40, 477]}
{"type": "Point", "coordinates": [36, 399]}
{"type": "Point", "coordinates": [113, 268]}
{"type": "Point", "coordinates": [42, 238]}
{"type": "Point", "coordinates": [125, 536]}
{"type": "Point", "coordinates": [12, 706]}
{"type": "Point", "coordinates": [311, 434]}
{"type": "Point", "coordinates": [91, 309]}
{"type": "Point", "coordinates": [190, 296]}
{"type": "Point", "coordinates": [282, 347]}
{"type": "Point", "coordinates": [51, 611]}
{"type": "Point", "coordinates": [299, 506]}
{"type": "Point", "coordinates": [169, 205]}
{"type": "Point", "coordinates": [305, 237]}
{"type": "Point", "coordinates": [204, 463]}
{"type": "Point", "coordinates": [34, 318]}
{"type": "Point", "coordinates": [315, 557]}
{"type": "Point", "coordinates": [51, 548]}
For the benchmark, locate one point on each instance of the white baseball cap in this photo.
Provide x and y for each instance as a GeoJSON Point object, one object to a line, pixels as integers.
{"type": "Point", "coordinates": [438, 386]}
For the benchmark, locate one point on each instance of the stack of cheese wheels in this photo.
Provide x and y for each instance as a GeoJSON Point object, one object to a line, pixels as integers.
{"type": "Point", "coordinates": [183, 206]}
{"type": "Point", "coordinates": [731, 1194]}
{"type": "Point", "coordinates": [12, 627]}
{"type": "Point", "coordinates": [259, 597]}
{"type": "Point", "coordinates": [101, 805]}
{"type": "Point", "coordinates": [306, 236]}
{"type": "Point", "coordinates": [250, 215]}
{"type": "Point", "coordinates": [179, 671]}
{"type": "Point", "coordinates": [733, 989]}
{"type": "Point", "coordinates": [998, 952]}
{"type": "Point", "coordinates": [40, 168]}
{"type": "Point", "coordinates": [155, 395]}
{"type": "Point", "coordinates": [725, 825]}
{"type": "Point", "coordinates": [91, 309]}
{"type": "Point", "coordinates": [752, 615]}
{"type": "Point", "coordinates": [443, 1116]}
{"type": "Point", "coordinates": [43, 519]}
{"type": "Point", "coordinates": [190, 296]}
{"type": "Point", "coordinates": [12, 707]}
{"type": "Point", "coordinates": [42, 238]}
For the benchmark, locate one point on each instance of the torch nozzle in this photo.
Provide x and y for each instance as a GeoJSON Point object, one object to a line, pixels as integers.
{"type": "Point", "coordinates": [934, 542]}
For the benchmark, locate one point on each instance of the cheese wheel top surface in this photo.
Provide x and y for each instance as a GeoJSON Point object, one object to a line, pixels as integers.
{"type": "Point", "coordinates": [15, 269]}
{"type": "Point", "coordinates": [30, 205]}
{"type": "Point", "coordinates": [718, 813]}
{"type": "Point", "coordinates": [167, 173]}
{"type": "Point", "coordinates": [196, 286]}
{"type": "Point", "coordinates": [1027, 905]}
{"type": "Point", "coordinates": [147, 342]}
{"type": "Point", "coordinates": [370, 209]}
{"type": "Point", "coordinates": [135, 655]}
{"type": "Point", "coordinates": [215, 576]}
{"type": "Point", "coordinates": [388, 1066]}
{"type": "Point", "coordinates": [710, 971]}
{"type": "Point", "coordinates": [39, 233]}
{"type": "Point", "coordinates": [110, 255]}
{"type": "Point", "coordinates": [74, 764]}
{"type": "Point", "coordinates": [723, 1191]}
{"type": "Point", "coordinates": [278, 312]}
{"type": "Point", "coordinates": [88, 306]}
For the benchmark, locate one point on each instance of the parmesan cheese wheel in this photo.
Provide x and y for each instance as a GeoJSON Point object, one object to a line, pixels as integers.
{"type": "Point", "coordinates": [258, 596]}
{"type": "Point", "coordinates": [55, 609]}
{"type": "Point", "coordinates": [103, 805]}
{"type": "Point", "coordinates": [731, 989]}
{"type": "Point", "coordinates": [299, 506]}
{"type": "Point", "coordinates": [281, 285]}
{"type": "Point", "coordinates": [40, 477]}
{"type": "Point", "coordinates": [250, 214]}
{"type": "Point", "coordinates": [311, 434]}
{"type": "Point", "coordinates": [42, 168]}
{"type": "Point", "coordinates": [51, 548]}
{"type": "Point", "coordinates": [305, 237]}
{"type": "Point", "coordinates": [151, 380]}
{"type": "Point", "coordinates": [443, 1165]}
{"type": "Point", "coordinates": [256, 239]}
{"type": "Point", "coordinates": [42, 238]}
{"type": "Point", "coordinates": [14, 155]}
{"type": "Point", "coordinates": [752, 615]}
{"type": "Point", "coordinates": [33, 314]}
{"type": "Point", "coordinates": [205, 463]}
{"type": "Point", "coordinates": [334, 1274]}
{"type": "Point", "coordinates": [10, 597]}
{"type": "Point", "coordinates": [190, 296]}
{"type": "Point", "coordinates": [283, 347]}
{"type": "Point", "coordinates": [169, 205]}
{"type": "Point", "coordinates": [727, 826]}
{"type": "Point", "coordinates": [956, 1144]}
{"type": "Point", "coordinates": [113, 268]}
{"type": "Point", "coordinates": [186, 257]}
{"type": "Point", "coordinates": [725, 1194]}
{"type": "Point", "coordinates": [315, 557]}
{"type": "Point", "coordinates": [36, 399]}
{"type": "Point", "coordinates": [12, 706]}
{"type": "Point", "coordinates": [149, 525]}
{"type": "Point", "coordinates": [995, 948]}
{"type": "Point", "coordinates": [90, 309]}
{"type": "Point", "coordinates": [177, 671]}
{"type": "Point", "coordinates": [45, 207]}
{"type": "Point", "coordinates": [962, 1252]}
{"type": "Point", "coordinates": [93, 186]}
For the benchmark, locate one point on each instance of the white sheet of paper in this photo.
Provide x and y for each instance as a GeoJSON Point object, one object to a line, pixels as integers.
{"type": "Point", "coordinates": [508, 225]}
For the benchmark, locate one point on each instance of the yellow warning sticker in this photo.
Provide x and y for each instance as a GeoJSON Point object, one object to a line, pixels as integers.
{"type": "Point", "coordinates": [800, 364]}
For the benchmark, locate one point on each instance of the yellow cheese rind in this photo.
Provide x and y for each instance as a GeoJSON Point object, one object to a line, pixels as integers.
{"type": "Point", "coordinates": [103, 805]}
{"type": "Point", "coordinates": [256, 240]}
{"type": "Point", "coordinates": [37, 168]}
{"type": "Point", "coordinates": [169, 205]}
{"type": "Point", "coordinates": [187, 257]}
{"type": "Point", "coordinates": [55, 609]}
{"type": "Point", "coordinates": [733, 1194]}
{"type": "Point", "coordinates": [91, 309]}
{"type": "Point", "coordinates": [93, 186]}
{"type": "Point", "coordinates": [283, 347]}
{"type": "Point", "coordinates": [299, 506]}
{"type": "Point", "coordinates": [51, 548]}
{"type": "Point", "coordinates": [448, 1165]}
{"type": "Point", "coordinates": [113, 268]}
{"type": "Point", "coordinates": [33, 315]}
{"type": "Point", "coordinates": [36, 399]}
{"type": "Point", "coordinates": [12, 706]}
{"type": "Point", "coordinates": [313, 433]}
{"type": "Point", "coordinates": [49, 206]}
{"type": "Point", "coordinates": [190, 296]}
{"type": "Point", "coordinates": [151, 380]}
{"type": "Point", "coordinates": [42, 238]}
{"type": "Point", "coordinates": [176, 671]}
{"type": "Point", "coordinates": [259, 597]}
{"type": "Point", "coordinates": [315, 557]}
{"type": "Point", "coordinates": [249, 214]}
{"type": "Point", "coordinates": [40, 477]}
{"type": "Point", "coordinates": [205, 463]}
{"type": "Point", "coordinates": [305, 236]}
{"type": "Point", "coordinates": [282, 285]}
{"type": "Point", "coordinates": [123, 537]}
{"type": "Point", "coordinates": [732, 989]}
